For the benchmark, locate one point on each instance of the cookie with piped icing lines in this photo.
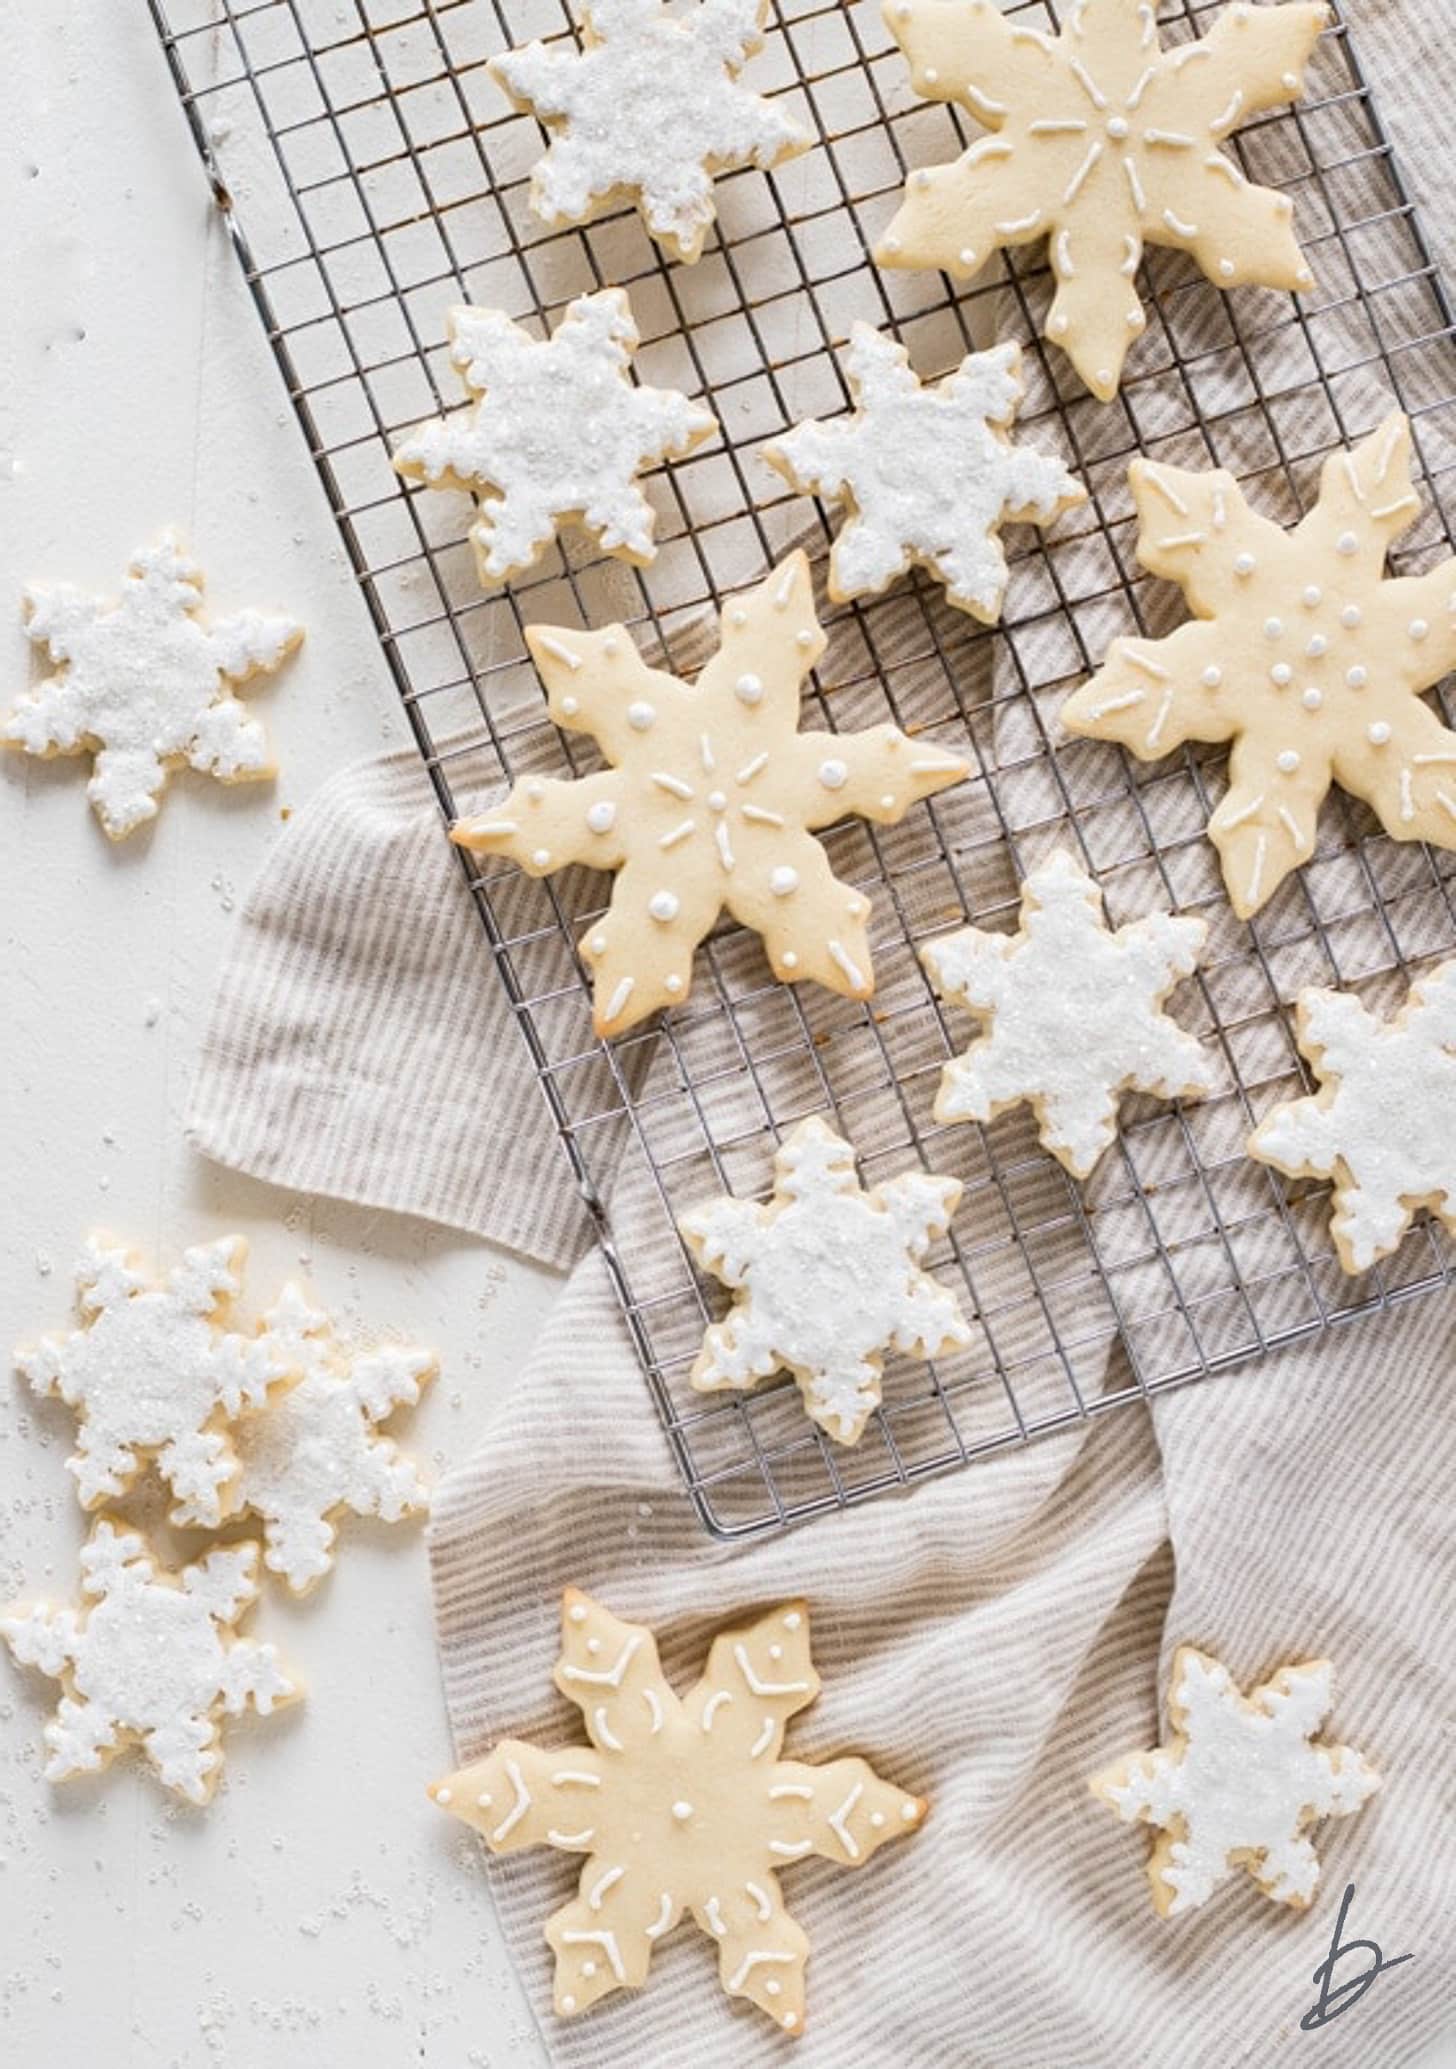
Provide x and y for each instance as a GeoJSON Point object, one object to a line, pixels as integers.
{"type": "Point", "coordinates": [1383, 1122]}
{"type": "Point", "coordinates": [1101, 142]}
{"type": "Point", "coordinates": [709, 802]}
{"type": "Point", "coordinates": [1302, 654]}
{"type": "Point", "coordinates": [826, 1279]}
{"type": "Point", "coordinates": [1238, 1783]}
{"type": "Point", "coordinates": [681, 1806]}
{"type": "Point", "coordinates": [929, 474]}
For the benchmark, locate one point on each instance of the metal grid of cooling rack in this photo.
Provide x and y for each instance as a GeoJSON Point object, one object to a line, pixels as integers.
{"type": "Point", "coordinates": [371, 175]}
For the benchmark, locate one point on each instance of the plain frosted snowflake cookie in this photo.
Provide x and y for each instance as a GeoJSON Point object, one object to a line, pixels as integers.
{"type": "Point", "coordinates": [648, 110]}
{"type": "Point", "coordinates": [681, 1805]}
{"type": "Point", "coordinates": [149, 1658]}
{"type": "Point", "coordinates": [929, 474]}
{"type": "Point", "coordinates": [315, 1449]}
{"type": "Point", "coordinates": [709, 802]}
{"type": "Point", "coordinates": [1238, 1783]}
{"type": "Point", "coordinates": [1301, 653]}
{"type": "Point", "coordinates": [153, 1371]}
{"type": "Point", "coordinates": [1101, 142]}
{"type": "Point", "coordinates": [1074, 1014]}
{"type": "Point", "coordinates": [557, 432]}
{"type": "Point", "coordinates": [826, 1278]}
{"type": "Point", "coordinates": [143, 686]}
{"type": "Point", "coordinates": [1383, 1123]}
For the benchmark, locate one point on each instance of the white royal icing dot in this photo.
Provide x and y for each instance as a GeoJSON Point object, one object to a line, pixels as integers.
{"type": "Point", "coordinates": [1282, 674]}
{"type": "Point", "coordinates": [793, 1620]}
{"type": "Point", "coordinates": [1358, 677]}
{"type": "Point", "coordinates": [877, 1819]}
{"type": "Point", "coordinates": [588, 1968]}
{"type": "Point", "coordinates": [967, 256]}
{"type": "Point", "coordinates": [804, 639]}
{"type": "Point", "coordinates": [909, 1812]}
{"type": "Point", "coordinates": [1245, 564]}
{"type": "Point", "coordinates": [568, 2003]}
{"type": "Point", "coordinates": [1313, 597]}
{"type": "Point", "coordinates": [833, 773]}
{"type": "Point", "coordinates": [682, 1811]}
{"type": "Point", "coordinates": [773, 1986]}
{"type": "Point", "coordinates": [1273, 628]}
{"type": "Point", "coordinates": [1212, 677]}
{"type": "Point", "coordinates": [784, 881]}
{"type": "Point", "coordinates": [663, 905]}
{"type": "Point", "coordinates": [593, 1644]}
{"type": "Point", "coordinates": [578, 1613]}
{"type": "Point", "coordinates": [541, 857]}
{"type": "Point", "coordinates": [1226, 267]}
{"type": "Point", "coordinates": [599, 947]}
{"type": "Point", "coordinates": [1377, 733]}
{"type": "Point", "coordinates": [1419, 629]}
{"type": "Point", "coordinates": [1318, 645]}
{"type": "Point", "coordinates": [640, 717]}
{"type": "Point", "coordinates": [748, 689]}
{"type": "Point", "coordinates": [1313, 698]}
{"type": "Point", "coordinates": [717, 801]}
{"type": "Point", "coordinates": [482, 1801]}
{"type": "Point", "coordinates": [611, 647]}
{"type": "Point", "coordinates": [1351, 616]}
{"type": "Point", "coordinates": [443, 1795]}
{"type": "Point", "coordinates": [790, 960]}
{"type": "Point", "coordinates": [776, 1652]}
{"type": "Point", "coordinates": [1347, 544]}
{"type": "Point", "coordinates": [570, 707]}
{"type": "Point", "coordinates": [1287, 762]}
{"type": "Point", "coordinates": [672, 984]}
{"type": "Point", "coordinates": [1118, 127]}
{"type": "Point", "coordinates": [535, 790]}
{"type": "Point", "coordinates": [603, 816]}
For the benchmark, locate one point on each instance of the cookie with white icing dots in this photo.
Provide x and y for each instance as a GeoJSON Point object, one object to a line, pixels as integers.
{"type": "Point", "coordinates": [1102, 143]}
{"type": "Point", "coordinates": [1073, 1011]}
{"type": "Point", "coordinates": [929, 474]}
{"type": "Point", "coordinates": [316, 1450]}
{"type": "Point", "coordinates": [827, 1278]}
{"type": "Point", "coordinates": [1383, 1123]}
{"type": "Point", "coordinates": [1238, 1783]}
{"type": "Point", "coordinates": [149, 1658]}
{"type": "Point", "coordinates": [1301, 653]}
{"type": "Point", "coordinates": [144, 686]}
{"type": "Point", "coordinates": [648, 110]}
{"type": "Point", "coordinates": [556, 433]}
{"type": "Point", "coordinates": [154, 1371]}
{"type": "Point", "coordinates": [709, 802]}
{"type": "Point", "coordinates": [681, 1805]}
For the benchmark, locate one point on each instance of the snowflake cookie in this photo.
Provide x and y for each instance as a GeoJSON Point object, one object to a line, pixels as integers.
{"type": "Point", "coordinates": [1074, 1011]}
{"type": "Point", "coordinates": [1383, 1123]}
{"type": "Point", "coordinates": [1301, 653]}
{"type": "Point", "coordinates": [149, 1658]}
{"type": "Point", "coordinates": [556, 433]}
{"type": "Point", "coordinates": [827, 1279]}
{"type": "Point", "coordinates": [1102, 143]}
{"type": "Point", "coordinates": [315, 1449]}
{"type": "Point", "coordinates": [143, 686]}
{"type": "Point", "coordinates": [930, 475]}
{"type": "Point", "coordinates": [681, 1804]}
{"type": "Point", "coordinates": [649, 110]}
{"type": "Point", "coordinates": [709, 802]}
{"type": "Point", "coordinates": [153, 1370]}
{"type": "Point", "coordinates": [1238, 1783]}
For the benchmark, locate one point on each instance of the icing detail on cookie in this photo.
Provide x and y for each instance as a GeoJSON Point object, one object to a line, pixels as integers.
{"type": "Point", "coordinates": [827, 1279]}
{"type": "Point", "coordinates": [153, 1372]}
{"type": "Point", "coordinates": [149, 1658]}
{"type": "Point", "coordinates": [929, 474]}
{"type": "Point", "coordinates": [556, 432]}
{"type": "Point", "coordinates": [1361, 721]}
{"type": "Point", "coordinates": [315, 1449]}
{"type": "Point", "coordinates": [648, 110]}
{"type": "Point", "coordinates": [692, 1821]}
{"type": "Point", "coordinates": [1383, 1122]}
{"type": "Point", "coordinates": [714, 802]}
{"type": "Point", "coordinates": [1072, 1011]}
{"type": "Point", "coordinates": [1237, 1783]}
{"type": "Point", "coordinates": [1103, 143]}
{"type": "Point", "coordinates": [144, 687]}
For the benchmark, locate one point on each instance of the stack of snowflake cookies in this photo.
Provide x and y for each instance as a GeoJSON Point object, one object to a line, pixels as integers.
{"type": "Point", "coordinates": [279, 1425]}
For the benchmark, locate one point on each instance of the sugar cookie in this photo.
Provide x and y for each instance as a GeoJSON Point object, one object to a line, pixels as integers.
{"type": "Point", "coordinates": [930, 474]}
{"type": "Point", "coordinates": [1102, 143]}
{"type": "Point", "coordinates": [555, 433]}
{"type": "Point", "coordinates": [1383, 1123]}
{"type": "Point", "coordinates": [143, 686]}
{"type": "Point", "coordinates": [1237, 1783]}
{"type": "Point", "coordinates": [681, 1804]}
{"type": "Point", "coordinates": [827, 1279]}
{"type": "Point", "coordinates": [1074, 1014]}
{"type": "Point", "coordinates": [649, 110]}
{"type": "Point", "coordinates": [709, 802]}
{"type": "Point", "coordinates": [1301, 653]}
{"type": "Point", "coordinates": [149, 1658]}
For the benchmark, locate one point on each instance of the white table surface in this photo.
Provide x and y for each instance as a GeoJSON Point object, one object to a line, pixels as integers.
{"type": "Point", "coordinates": [319, 1910]}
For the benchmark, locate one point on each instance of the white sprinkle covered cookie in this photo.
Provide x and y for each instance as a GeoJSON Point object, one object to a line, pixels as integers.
{"type": "Point", "coordinates": [149, 1658]}
{"type": "Point", "coordinates": [315, 1449]}
{"type": "Point", "coordinates": [153, 1371]}
{"type": "Point", "coordinates": [1383, 1123]}
{"type": "Point", "coordinates": [827, 1279]}
{"type": "Point", "coordinates": [1238, 1783]}
{"type": "Point", "coordinates": [929, 474]}
{"type": "Point", "coordinates": [709, 802]}
{"type": "Point", "coordinates": [557, 433]}
{"type": "Point", "coordinates": [143, 686]}
{"type": "Point", "coordinates": [1102, 142]}
{"type": "Point", "coordinates": [648, 110]}
{"type": "Point", "coordinates": [1074, 1014]}
{"type": "Point", "coordinates": [681, 1805]}
{"type": "Point", "coordinates": [1301, 653]}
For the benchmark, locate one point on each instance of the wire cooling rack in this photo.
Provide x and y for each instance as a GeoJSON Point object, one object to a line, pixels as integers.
{"type": "Point", "coordinates": [371, 175]}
